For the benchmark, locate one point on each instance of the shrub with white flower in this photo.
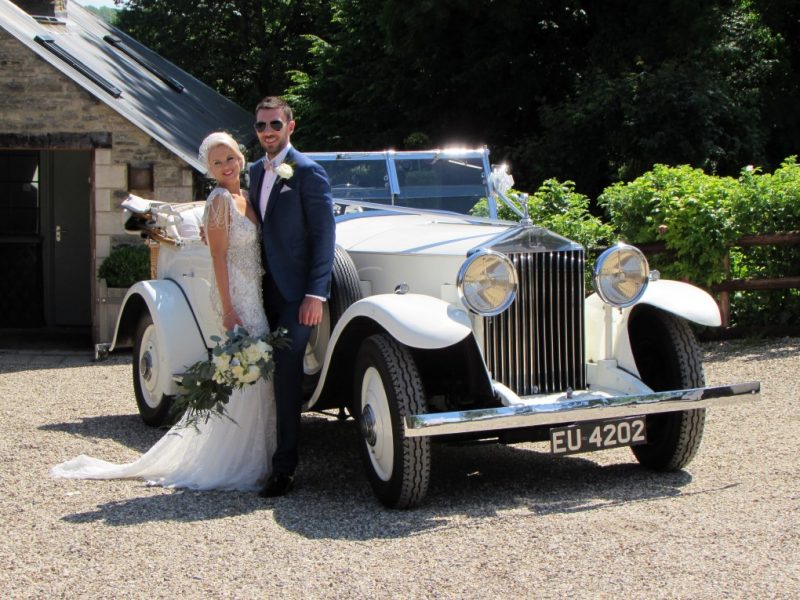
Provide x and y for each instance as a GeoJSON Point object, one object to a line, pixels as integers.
{"type": "Point", "coordinates": [238, 361]}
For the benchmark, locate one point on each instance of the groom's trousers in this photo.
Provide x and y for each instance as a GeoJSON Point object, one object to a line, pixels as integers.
{"type": "Point", "coordinates": [288, 375]}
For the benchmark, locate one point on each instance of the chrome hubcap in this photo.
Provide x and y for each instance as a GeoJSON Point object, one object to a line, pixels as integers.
{"type": "Point", "coordinates": [150, 379]}
{"type": "Point", "coordinates": [146, 366]}
{"type": "Point", "coordinates": [368, 425]}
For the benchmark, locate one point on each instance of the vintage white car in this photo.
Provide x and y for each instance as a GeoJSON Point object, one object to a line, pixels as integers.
{"type": "Point", "coordinates": [446, 327]}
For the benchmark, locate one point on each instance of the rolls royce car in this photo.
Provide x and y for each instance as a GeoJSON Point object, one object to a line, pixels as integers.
{"type": "Point", "coordinates": [446, 327]}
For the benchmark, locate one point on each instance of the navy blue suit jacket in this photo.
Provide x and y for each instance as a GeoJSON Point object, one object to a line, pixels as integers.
{"type": "Point", "coordinates": [298, 232]}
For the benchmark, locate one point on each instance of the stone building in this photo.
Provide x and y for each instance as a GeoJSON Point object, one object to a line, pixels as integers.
{"type": "Point", "coordinates": [87, 116]}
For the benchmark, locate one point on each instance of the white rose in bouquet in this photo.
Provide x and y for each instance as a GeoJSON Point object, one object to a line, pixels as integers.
{"type": "Point", "coordinates": [252, 374]}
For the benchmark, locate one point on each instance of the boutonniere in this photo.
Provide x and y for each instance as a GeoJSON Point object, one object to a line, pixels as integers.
{"type": "Point", "coordinates": [284, 171]}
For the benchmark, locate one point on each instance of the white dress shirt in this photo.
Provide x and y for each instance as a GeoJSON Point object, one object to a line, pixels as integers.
{"type": "Point", "coordinates": [270, 176]}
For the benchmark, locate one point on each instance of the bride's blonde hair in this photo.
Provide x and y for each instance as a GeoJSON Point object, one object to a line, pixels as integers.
{"type": "Point", "coordinates": [219, 138]}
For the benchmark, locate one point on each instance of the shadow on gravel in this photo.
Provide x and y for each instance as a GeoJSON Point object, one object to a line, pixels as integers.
{"type": "Point", "coordinates": [178, 506]}
{"type": "Point", "coordinates": [128, 430]}
{"type": "Point", "coordinates": [333, 499]}
{"type": "Point", "coordinates": [467, 481]}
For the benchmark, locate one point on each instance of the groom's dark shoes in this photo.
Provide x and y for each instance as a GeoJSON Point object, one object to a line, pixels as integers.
{"type": "Point", "coordinates": [277, 485]}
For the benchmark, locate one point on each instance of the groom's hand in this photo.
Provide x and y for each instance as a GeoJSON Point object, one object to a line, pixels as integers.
{"type": "Point", "coordinates": [310, 311]}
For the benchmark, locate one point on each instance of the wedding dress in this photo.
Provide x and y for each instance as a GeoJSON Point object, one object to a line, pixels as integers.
{"type": "Point", "coordinates": [220, 454]}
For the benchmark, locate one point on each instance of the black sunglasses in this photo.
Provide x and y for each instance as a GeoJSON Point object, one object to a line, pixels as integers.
{"type": "Point", "coordinates": [276, 125]}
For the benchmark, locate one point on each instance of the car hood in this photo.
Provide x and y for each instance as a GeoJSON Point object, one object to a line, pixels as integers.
{"type": "Point", "coordinates": [413, 234]}
{"type": "Point", "coordinates": [441, 235]}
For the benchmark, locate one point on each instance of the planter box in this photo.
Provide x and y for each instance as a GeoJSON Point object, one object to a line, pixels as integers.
{"type": "Point", "coordinates": [109, 301]}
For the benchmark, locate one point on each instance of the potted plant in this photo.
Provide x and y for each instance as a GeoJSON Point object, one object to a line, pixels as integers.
{"type": "Point", "coordinates": [124, 266]}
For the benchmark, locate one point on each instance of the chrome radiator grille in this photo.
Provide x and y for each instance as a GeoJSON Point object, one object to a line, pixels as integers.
{"type": "Point", "coordinates": [536, 346]}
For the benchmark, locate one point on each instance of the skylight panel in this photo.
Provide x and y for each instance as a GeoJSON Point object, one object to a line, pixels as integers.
{"type": "Point", "coordinates": [49, 42]}
{"type": "Point", "coordinates": [170, 81]}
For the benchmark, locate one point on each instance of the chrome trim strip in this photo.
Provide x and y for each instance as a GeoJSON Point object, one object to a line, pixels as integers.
{"type": "Point", "coordinates": [580, 407]}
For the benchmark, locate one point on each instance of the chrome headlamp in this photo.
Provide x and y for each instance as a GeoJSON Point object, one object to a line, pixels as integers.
{"type": "Point", "coordinates": [487, 283]}
{"type": "Point", "coordinates": [621, 274]}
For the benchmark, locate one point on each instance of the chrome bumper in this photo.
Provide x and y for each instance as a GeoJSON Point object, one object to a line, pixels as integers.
{"type": "Point", "coordinates": [579, 407]}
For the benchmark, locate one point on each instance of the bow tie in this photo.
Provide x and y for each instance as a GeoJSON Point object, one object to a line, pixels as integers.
{"type": "Point", "coordinates": [268, 166]}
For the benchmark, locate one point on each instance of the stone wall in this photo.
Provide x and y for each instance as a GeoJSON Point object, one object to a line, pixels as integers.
{"type": "Point", "coordinates": [38, 102]}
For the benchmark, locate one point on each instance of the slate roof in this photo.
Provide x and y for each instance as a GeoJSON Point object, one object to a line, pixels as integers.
{"type": "Point", "coordinates": [172, 106]}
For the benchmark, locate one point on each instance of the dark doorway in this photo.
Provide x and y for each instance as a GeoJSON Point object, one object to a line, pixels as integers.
{"type": "Point", "coordinates": [45, 244]}
{"type": "Point", "coordinates": [21, 275]}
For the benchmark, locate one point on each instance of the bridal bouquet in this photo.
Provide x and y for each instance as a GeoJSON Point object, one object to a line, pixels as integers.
{"type": "Point", "coordinates": [239, 360]}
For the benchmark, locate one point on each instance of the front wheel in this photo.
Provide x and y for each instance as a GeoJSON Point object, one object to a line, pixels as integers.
{"type": "Point", "coordinates": [149, 381]}
{"type": "Point", "coordinates": [668, 358]}
{"type": "Point", "coordinates": [387, 388]}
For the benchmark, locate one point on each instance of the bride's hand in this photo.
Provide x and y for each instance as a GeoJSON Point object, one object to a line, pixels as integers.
{"type": "Point", "coordinates": [231, 319]}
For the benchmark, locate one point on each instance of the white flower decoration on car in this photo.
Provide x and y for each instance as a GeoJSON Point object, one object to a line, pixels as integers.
{"type": "Point", "coordinates": [284, 171]}
{"type": "Point", "coordinates": [501, 179]}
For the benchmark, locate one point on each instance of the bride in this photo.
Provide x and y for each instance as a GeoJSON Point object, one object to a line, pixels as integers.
{"type": "Point", "coordinates": [220, 454]}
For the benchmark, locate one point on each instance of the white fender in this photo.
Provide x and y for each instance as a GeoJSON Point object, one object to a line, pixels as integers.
{"type": "Point", "coordinates": [180, 338]}
{"type": "Point", "coordinates": [681, 299]}
{"type": "Point", "coordinates": [684, 300]}
{"type": "Point", "coordinates": [414, 320]}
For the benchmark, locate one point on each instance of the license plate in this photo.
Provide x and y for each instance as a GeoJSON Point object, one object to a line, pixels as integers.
{"type": "Point", "coordinates": [598, 435]}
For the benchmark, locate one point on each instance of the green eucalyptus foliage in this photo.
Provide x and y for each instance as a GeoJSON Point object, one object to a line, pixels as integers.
{"type": "Point", "coordinates": [126, 265]}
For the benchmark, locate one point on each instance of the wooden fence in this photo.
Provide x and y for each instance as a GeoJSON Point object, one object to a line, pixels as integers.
{"type": "Point", "coordinates": [724, 288]}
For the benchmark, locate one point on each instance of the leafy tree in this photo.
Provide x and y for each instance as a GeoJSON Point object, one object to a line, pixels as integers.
{"type": "Point", "coordinates": [780, 106]}
{"type": "Point", "coordinates": [668, 82]}
{"type": "Point", "coordinates": [581, 91]}
{"type": "Point", "coordinates": [244, 49]}
{"type": "Point", "coordinates": [452, 72]}
{"type": "Point", "coordinates": [589, 92]}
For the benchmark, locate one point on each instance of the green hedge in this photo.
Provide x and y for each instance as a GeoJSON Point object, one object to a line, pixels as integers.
{"type": "Point", "coordinates": [126, 265]}
{"type": "Point", "coordinates": [691, 212]}
{"type": "Point", "coordinates": [697, 216]}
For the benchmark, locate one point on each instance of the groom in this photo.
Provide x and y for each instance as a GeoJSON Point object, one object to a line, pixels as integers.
{"type": "Point", "coordinates": [291, 195]}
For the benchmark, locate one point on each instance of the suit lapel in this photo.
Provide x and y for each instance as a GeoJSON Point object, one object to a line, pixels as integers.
{"type": "Point", "coordinates": [255, 187]}
{"type": "Point", "coordinates": [273, 197]}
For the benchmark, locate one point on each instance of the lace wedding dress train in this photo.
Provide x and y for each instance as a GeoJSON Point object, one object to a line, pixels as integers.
{"type": "Point", "coordinates": [221, 454]}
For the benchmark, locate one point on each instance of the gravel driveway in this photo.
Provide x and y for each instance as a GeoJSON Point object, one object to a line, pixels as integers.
{"type": "Point", "coordinates": [502, 522]}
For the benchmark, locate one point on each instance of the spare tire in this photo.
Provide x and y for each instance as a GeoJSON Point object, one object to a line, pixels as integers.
{"type": "Point", "coordinates": [345, 289]}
